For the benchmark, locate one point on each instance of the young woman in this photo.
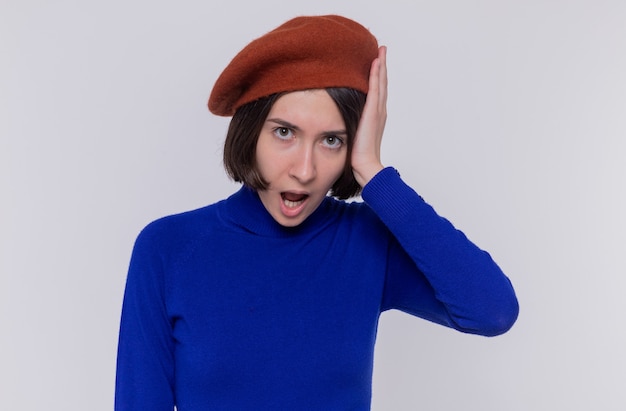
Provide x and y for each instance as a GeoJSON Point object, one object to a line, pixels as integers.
{"type": "Point", "coordinates": [270, 299]}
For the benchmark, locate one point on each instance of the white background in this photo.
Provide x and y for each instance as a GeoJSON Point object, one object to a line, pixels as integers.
{"type": "Point", "coordinates": [508, 117]}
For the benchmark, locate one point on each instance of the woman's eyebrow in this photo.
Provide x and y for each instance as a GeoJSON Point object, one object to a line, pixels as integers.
{"type": "Point", "coordinates": [284, 123]}
{"type": "Point", "coordinates": [335, 133]}
{"type": "Point", "coordinates": [287, 124]}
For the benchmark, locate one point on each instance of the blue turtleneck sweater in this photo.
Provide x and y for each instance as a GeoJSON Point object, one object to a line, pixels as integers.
{"type": "Point", "coordinates": [225, 309]}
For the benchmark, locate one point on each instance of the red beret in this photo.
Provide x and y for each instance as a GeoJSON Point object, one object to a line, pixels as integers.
{"type": "Point", "coordinates": [304, 53]}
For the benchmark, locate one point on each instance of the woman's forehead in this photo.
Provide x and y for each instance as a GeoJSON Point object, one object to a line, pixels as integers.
{"type": "Point", "coordinates": [308, 108]}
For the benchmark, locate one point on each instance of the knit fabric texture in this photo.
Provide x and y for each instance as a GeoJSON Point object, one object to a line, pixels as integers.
{"type": "Point", "coordinates": [307, 52]}
{"type": "Point", "coordinates": [225, 309]}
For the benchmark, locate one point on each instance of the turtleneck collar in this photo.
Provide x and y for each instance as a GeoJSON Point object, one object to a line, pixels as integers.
{"type": "Point", "coordinates": [244, 209]}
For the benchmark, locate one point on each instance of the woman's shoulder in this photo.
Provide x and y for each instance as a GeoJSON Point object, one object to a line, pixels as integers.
{"type": "Point", "coordinates": [180, 227]}
{"type": "Point", "coordinates": [354, 212]}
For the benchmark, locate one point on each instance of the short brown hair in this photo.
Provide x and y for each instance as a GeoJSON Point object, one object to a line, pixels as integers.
{"type": "Point", "coordinates": [245, 128]}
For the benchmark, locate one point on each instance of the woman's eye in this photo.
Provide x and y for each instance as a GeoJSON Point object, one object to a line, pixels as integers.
{"type": "Point", "coordinates": [333, 141]}
{"type": "Point", "coordinates": [283, 133]}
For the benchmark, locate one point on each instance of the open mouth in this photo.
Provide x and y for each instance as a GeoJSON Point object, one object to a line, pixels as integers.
{"type": "Point", "coordinates": [293, 200]}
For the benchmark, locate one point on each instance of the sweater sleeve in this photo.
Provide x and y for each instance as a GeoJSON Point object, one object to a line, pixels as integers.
{"type": "Point", "coordinates": [434, 271]}
{"type": "Point", "coordinates": [145, 365]}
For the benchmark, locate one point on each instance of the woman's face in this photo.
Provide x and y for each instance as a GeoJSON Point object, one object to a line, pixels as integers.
{"type": "Point", "coordinates": [301, 152]}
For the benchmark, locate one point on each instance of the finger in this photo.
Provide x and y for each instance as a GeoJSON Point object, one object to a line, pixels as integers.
{"type": "Point", "coordinates": [374, 80]}
{"type": "Point", "coordinates": [382, 78]}
{"type": "Point", "coordinates": [373, 100]}
{"type": "Point", "coordinates": [377, 94]}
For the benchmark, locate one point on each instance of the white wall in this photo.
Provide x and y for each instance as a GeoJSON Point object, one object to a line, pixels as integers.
{"type": "Point", "coordinates": [509, 117]}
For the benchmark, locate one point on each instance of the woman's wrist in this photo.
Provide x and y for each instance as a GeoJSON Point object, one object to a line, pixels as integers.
{"type": "Point", "coordinates": [364, 174]}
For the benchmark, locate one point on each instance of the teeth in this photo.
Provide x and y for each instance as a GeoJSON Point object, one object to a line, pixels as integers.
{"type": "Point", "coordinates": [292, 204]}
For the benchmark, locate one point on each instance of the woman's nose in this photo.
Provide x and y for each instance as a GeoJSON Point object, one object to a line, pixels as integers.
{"type": "Point", "coordinates": [303, 165]}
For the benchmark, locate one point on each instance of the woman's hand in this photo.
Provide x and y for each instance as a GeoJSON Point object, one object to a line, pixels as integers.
{"type": "Point", "coordinates": [366, 150]}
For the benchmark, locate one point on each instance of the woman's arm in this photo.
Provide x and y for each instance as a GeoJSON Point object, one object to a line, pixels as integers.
{"type": "Point", "coordinates": [145, 362]}
{"type": "Point", "coordinates": [434, 270]}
